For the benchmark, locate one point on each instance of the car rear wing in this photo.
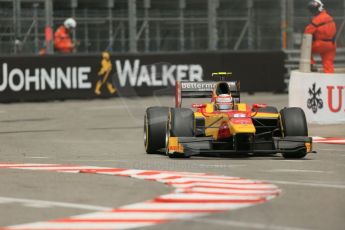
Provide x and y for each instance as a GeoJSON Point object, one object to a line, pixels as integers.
{"type": "Point", "coordinates": [204, 89]}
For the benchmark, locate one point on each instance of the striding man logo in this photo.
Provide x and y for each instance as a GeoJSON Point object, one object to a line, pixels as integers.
{"type": "Point", "coordinates": [103, 74]}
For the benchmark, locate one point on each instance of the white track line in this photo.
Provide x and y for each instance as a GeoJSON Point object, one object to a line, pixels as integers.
{"type": "Point", "coordinates": [34, 157]}
{"type": "Point", "coordinates": [332, 150]}
{"type": "Point", "coordinates": [225, 191]}
{"type": "Point", "coordinates": [81, 225]}
{"type": "Point", "coordinates": [196, 194]}
{"type": "Point", "coordinates": [205, 197]}
{"type": "Point", "coordinates": [308, 184]}
{"type": "Point", "coordinates": [136, 215]}
{"type": "Point", "coordinates": [246, 225]}
{"type": "Point", "coordinates": [42, 203]}
{"type": "Point", "coordinates": [297, 171]}
{"type": "Point", "coordinates": [185, 207]}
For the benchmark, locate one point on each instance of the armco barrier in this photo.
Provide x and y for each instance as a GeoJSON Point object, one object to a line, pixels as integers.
{"type": "Point", "coordinates": [321, 96]}
{"type": "Point", "coordinates": [38, 78]}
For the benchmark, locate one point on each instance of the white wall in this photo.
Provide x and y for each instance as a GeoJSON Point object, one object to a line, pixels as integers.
{"type": "Point", "coordinates": [325, 104]}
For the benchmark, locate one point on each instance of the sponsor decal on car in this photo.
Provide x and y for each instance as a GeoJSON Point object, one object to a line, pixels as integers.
{"type": "Point", "coordinates": [200, 86]}
{"type": "Point", "coordinates": [241, 121]}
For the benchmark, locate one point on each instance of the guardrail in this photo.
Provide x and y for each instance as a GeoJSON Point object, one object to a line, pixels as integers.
{"type": "Point", "coordinates": [293, 58]}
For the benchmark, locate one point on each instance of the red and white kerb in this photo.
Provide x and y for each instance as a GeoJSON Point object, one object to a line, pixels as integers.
{"type": "Point", "coordinates": [329, 140]}
{"type": "Point", "coordinates": [195, 195]}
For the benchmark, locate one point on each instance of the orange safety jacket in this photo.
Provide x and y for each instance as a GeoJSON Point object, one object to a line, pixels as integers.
{"type": "Point", "coordinates": [62, 40]}
{"type": "Point", "coordinates": [323, 30]}
{"type": "Point", "coordinates": [322, 27]}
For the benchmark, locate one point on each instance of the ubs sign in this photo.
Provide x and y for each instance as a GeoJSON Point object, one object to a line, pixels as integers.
{"type": "Point", "coordinates": [334, 98]}
{"type": "Point", "coordinates": [321, 96]}
{"type": "Point", "coordinates": [335, 93]}
{"type": "Point", "coordinates": [315, 101]}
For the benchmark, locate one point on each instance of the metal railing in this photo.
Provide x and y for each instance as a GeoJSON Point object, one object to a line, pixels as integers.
{"type": "Point", "coordinates": [293, 58]}
{"type": "Point", "coordinates": [162, 25]}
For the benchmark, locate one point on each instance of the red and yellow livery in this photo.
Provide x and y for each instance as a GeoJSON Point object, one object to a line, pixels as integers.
{"type": "Point", "coordinates": [184, 132]}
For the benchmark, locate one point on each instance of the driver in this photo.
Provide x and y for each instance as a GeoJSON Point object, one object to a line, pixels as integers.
{"type": "Point", "coordinates": [224, 102]}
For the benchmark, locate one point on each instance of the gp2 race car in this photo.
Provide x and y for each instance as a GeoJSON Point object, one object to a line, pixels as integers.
{"type": "Point", "coordinates": [210, 129]}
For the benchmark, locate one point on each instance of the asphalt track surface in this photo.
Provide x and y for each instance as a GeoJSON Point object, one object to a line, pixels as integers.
{"type": "Point", "coordinates": [109, 133]}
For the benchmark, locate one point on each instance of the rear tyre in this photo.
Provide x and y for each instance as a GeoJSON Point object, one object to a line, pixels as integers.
{"type": "Point", "coordinates": [180, 124]}
{"type": "Point", "coordinates": [155, 128]}
{"type": "Point", "coordinates": [293, 123]}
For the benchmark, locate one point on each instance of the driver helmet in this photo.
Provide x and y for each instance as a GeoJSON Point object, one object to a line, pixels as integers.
{"type": "Point", "coordinates": [70, 23]}
{"type": "Point", "coordinates": [224, 102]}
{"type": "Point", "coordinates": [315, 6]}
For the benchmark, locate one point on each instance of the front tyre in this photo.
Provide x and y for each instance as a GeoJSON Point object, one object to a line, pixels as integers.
{"type": "Point", "coordinates": [180, 124]}
{"type": "Point", "coordinates": [293, 123]}
{"type": "Point", "coordinates": [155, 121]}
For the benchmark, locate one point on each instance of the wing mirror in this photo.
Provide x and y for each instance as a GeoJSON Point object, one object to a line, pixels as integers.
{"type": "Point", "coordinates": [258, 106]}
{"type": "Point", "coordinates": [199, 106]}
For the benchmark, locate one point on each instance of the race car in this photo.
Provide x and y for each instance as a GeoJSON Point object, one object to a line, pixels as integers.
{"type": "Point", "coordinates": [224, 125]}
